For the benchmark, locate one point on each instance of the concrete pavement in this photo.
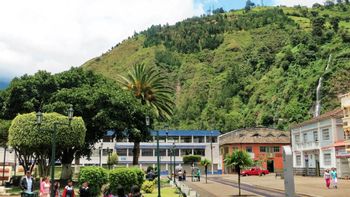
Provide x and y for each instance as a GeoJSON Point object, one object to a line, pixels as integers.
{"type": "Point", "coordinates": [306, 186]}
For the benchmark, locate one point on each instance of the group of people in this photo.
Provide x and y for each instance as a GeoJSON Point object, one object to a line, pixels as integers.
{"type": "Point", "coordinates": [120, 192]}
{"type": "Point", "coordinates": [331, 175]}
{"type": "Point", "coordinates": [27, 185]}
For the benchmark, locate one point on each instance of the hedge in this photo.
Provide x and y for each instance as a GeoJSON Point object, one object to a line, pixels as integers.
{"type": "Point", "coordinates": [126, 177]}
{"type": "Point", "coordinates": [189, 159]}
{"type": "Point", "coordinates": [95, 176]}
{"type": "Point", "coordinates": [140, 176]}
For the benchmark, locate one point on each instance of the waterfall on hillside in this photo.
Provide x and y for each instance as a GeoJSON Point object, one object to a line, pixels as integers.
{"type": "Point", "coordinates": [318, 90]}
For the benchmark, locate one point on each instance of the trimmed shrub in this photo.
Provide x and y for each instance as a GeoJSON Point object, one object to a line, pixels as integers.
{"type": "Point", "coordinates": [140, 176]}
{"type": "Point", "coordinates": [189, 159]}
{"type": "Point", "coordinates": [126, 177]}
{"type": "Point", "coordinates": [148, 186]}
{"type": "Point", "coordinates": [95, 176]}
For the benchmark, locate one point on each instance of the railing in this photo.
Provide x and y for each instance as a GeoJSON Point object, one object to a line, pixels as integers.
{"type": "Point", "coordinates": [307, 145]}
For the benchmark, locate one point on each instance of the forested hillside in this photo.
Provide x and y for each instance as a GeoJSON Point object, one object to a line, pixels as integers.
{"type": "Point", "coordinates": [244, 68]}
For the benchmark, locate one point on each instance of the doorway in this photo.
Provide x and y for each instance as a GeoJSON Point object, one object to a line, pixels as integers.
{"type": "Point", "coordinates": [270, 166]}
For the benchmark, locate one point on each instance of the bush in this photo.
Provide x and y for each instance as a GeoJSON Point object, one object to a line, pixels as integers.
{"type": "Point", "coordinates": [140, 176]}
{"type": "Point", "coordinates": [95, 176]}
{"type": "Point", "coordinates": [148, 186]}
{"type": "Point", "coordinates": [126, 177]}
{"type": "Point", "coordinates": [189, 159]}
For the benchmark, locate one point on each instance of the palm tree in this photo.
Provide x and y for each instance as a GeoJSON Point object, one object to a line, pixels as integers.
{"type": "Point", "coordinates": [238, 160]}
{"type": "Point", "coordinates": [150, 87]}
{"type": "Point", "coordinates": [205, 162]}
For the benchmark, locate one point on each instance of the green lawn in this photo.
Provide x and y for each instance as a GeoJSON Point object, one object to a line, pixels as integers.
{"type": "Point", "coordinates": [165, 191]}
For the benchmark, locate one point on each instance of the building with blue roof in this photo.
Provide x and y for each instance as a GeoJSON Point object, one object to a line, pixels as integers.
{"type": "Point", "coordinates": [184, 142]}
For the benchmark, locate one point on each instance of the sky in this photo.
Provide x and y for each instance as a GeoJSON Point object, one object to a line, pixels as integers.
{"type": "Point", "coordinates": [55, 35]}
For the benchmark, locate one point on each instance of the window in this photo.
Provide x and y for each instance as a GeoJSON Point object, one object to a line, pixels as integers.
{"type": "Point", "coordinates": [162, 152]}
{"type": "Point", "coordinates": [298, 160]}
{"type": "Point", "coordinates": [276, 149]}
{"type": "Point", "coordinates": [199, 152]}
{"type": "Point", "coordinates": [147, 152]}
{"type": "Point", "coordinates": [226, 151]}
{"type": "Point", "coordinates": [107, 139]}
{"type": "Point", "coordinates": [297, 138]}
{"type": "Point", "coordinates": [122, 152]}
{"type": "Point", "coordinates": [131, 152]}
{"type": "Point", "coordinates": [305, 139]}
{"type": "Point", "coordinates": [105, 152]}
{"type": "Point", "coordinates": [213, 139]}
{"type": "Point", "coordinates": [173, 139]}
{"type": "Point", "coordinates": [161, 138]}
{"type": "Point", "coordinates": [315, 136]}
{"type": "Point", "coordinates": [263, 149]}
{"type": "Point", "coordinates": [186, 152]}
{"type": "Point", "coordinates": [186, 139]}
{"type": "Point", "coordinates": [171, 154]}
{"type": "Point", "coordinates": [198, 139]}
{"type": "Point", "coordinates": [325, 134]}
{"type": "Point", "coordinates": [327, 159]}
{"type": "Point", "coordinates": [249, 149]}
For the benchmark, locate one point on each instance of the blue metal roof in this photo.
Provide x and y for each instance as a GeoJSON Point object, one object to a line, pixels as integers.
{"type": "Point", "coordinates": [163, 133]}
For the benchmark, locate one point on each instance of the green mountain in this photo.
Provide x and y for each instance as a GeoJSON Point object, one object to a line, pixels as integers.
{"type": "Point", "coordinates": [243, 69]}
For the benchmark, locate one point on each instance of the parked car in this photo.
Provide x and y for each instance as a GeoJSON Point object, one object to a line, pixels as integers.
{"type": "Point", "coordinates": [254, 171]}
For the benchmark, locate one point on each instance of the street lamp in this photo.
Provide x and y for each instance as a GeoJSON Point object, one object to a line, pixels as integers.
{"type": "Point", "coordinates": [39, 120]}
{"type": "Point", "coordinates": [158, 157]}
{"type": "Point", "coordinates": [3, 166]}
{"type": "Point", "coordinates": [211, 152]}
{"type": "Point", "coordinates": [100, 154]}
{"type": "Point", "coordinates": [174, 158]}
{"type": "Point", "coordinates": [15, 158]}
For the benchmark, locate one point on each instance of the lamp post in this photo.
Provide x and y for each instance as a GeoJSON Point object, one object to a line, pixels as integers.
{"type": "Point", "coordinates": [174, 158]}
{"type": "Point", "coordinates": [39, 120]}
{"type": "Point", "coordinates": [211, 152]}
{"type": "Point", "coordinates": [158, 156]}
{"type": "Point", "coordinates": [100, 154]}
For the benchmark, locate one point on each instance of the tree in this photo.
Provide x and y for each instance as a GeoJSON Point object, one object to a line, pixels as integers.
{"type": "Point", "coordinates": [328, 3]}
{"type": "Point", "coordinates": [205, 162]}
{"type": "Point", "coordinates": [113, 159]}
{"type": "Point", "coordinates": [34, 141]}
{"type": "Point", "coordinates": [150, 87]}
{"type": "Point", "coordinates": [4, 127]}
{"type": "Point", "coordinates": [248, 5]}
{"type": "Point", "coordinates": [316, 5]}
{"type": "Point", "coordinates": [335, 23]}
{"type": "Point", "coordinates": [346, 1]}
{"type": "Point", "coordinates": [318, 26]}
{"type": "Point", "coordinates": [238, 160]}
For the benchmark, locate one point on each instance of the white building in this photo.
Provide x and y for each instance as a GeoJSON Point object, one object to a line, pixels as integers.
{"type": "Point", "coordinates": [316, 143]}
{"type": "Point", "coordinates": [187, 142]}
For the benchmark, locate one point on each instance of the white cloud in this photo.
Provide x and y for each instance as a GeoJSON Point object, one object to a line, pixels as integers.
{"type": "Point", "coordinates": [308, 3]}
{"type": "Point", "coordinates": [54, 35]}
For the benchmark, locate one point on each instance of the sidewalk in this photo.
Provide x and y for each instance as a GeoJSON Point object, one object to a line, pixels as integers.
{"type": "Point", "coordinates": [313, 186]}
{"type": "Point", "coordinates": [213, 189]}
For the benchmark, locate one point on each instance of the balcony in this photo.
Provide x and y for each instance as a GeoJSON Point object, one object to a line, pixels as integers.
{"type": "Point", "coordinates": [307, 146]}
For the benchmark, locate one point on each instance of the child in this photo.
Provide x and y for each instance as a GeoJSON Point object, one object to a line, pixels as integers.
{"type": "Point", "coordinates": [327, 177]}
{"type": "Point", "coordinates": [334, 178]}
{"type": "Point", "coordinates": [84, 190]}
{"type": "Point", "coordinates": [68, 190]}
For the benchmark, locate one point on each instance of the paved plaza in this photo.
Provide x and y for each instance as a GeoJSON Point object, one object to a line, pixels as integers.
{"type": "Point", "coordinates": [305, 186]}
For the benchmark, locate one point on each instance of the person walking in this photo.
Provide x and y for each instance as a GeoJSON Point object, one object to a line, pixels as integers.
{"type": "Point", "coordinates": [84, 190]}
{"type": "Point", "coordinates": [327, 177]}
{"type": "Point", "coordinates": [27, 183]}
{"type": "Point", "coordinates": [199, 174]}
{"type": "Point", "coordinates": [334, 177]}
{"type": "Point", "coordinates": [56, 189]}
{"type": "Point", "coordinates": [45, 187]}
{"type": "Point", "coordinates": [69, 190]}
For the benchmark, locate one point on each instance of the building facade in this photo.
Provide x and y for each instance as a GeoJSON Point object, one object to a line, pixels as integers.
{"type": "Point", "coordinates": [318, 143]}
{"type": "Point", "coordinates": [263, 144]}
{"type": "Point", "coordinates": [186, 142]}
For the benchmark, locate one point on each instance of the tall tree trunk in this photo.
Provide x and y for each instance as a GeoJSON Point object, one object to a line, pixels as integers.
{"type": "Point", "coordinates": [77, 163]}
{"type": "Point", "coordinates": [206, 173]}
{"type": "Point", "coordinates": [67, 159]}
{"type": "Point", "coordinates": [136, 153]}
